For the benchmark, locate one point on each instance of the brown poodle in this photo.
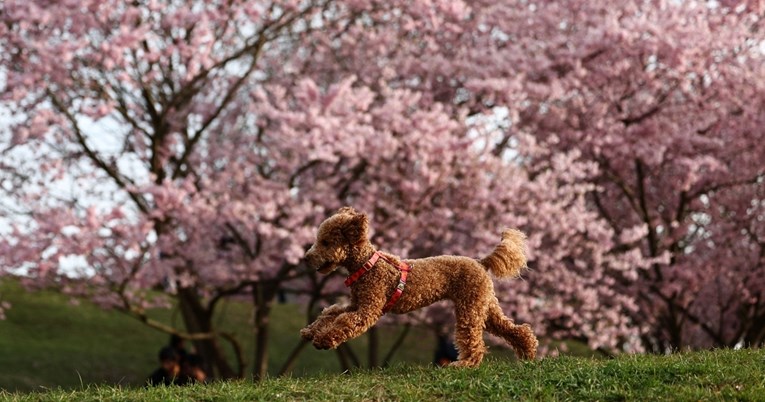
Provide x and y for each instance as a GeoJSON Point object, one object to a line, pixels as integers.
{"type": "Point", "coordinates": [381, 282]}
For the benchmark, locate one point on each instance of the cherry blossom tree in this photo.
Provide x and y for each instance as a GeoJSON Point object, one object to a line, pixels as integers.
{"type": "Point", "coordinates": [664, 99]}
{"type": "Point", "coordinates": [170, 147]}
{"type": "Point", "coordinates": [646, 98]}
{"type": "Point", "coordinates": [450, 54]}
{"type": "Point", "coordinates": [681, 159]}
{"type": "Point", "coordinates": [156, 82]}
{"type": "Point", "coordinates": [184, 151]}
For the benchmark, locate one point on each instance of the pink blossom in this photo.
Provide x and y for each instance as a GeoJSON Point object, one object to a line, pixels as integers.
{"type": "Point", "coordinates": [628, 150]}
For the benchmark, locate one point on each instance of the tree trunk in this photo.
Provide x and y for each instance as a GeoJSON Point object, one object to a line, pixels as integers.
{"type": "Point", "coordinates": [262, 297]}
{"type": "Point", "coordinates": [396, 345]}
{"type": "Point", "coordinates": [342, 358]}
{"type": "Point", "coordinates": [754, 337]}
{"type": "Point", "coordinates": [198, 320]}
{"type": "Point", "coordinates": [346, 357]}
{"type": "Point", "coordinates": [292, 358]}
{"type": "Point", "coordinates": [373, 347]}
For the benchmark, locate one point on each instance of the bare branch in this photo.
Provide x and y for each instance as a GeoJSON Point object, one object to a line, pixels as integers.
{"type": "Point", "coordinates": [110, 170]}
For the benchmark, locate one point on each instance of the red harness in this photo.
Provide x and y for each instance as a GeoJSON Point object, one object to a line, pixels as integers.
{"type": "Point", "coordinates": [403, 267]}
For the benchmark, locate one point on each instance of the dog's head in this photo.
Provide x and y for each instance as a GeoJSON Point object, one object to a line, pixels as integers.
{"type": "Point", "coordinates": [339, 238]}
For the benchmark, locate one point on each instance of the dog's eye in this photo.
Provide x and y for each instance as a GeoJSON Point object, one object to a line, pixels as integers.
{"type": "Point", "coordinates": [324, 243]}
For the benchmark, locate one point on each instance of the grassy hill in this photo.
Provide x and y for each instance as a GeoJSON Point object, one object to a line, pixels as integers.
{"type": "Point", "coordinates": [53, 350]}
{"type": "Point", "coordinates": [717, 375]}
{"type": "Point", "coordinates": [47, 342]}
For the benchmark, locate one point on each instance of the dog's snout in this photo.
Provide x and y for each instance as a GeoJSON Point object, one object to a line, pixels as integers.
{"type": "Point", "coordinates": [310, 258]}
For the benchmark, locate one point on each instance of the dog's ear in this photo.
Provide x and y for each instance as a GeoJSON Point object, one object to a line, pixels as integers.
{"type": "Point", "coordinates": [357, 227]}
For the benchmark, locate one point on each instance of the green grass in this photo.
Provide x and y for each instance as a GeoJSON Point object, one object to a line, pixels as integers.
{"type": "Point", "coordinates": [48, 342]}
{"type": "Point", "coordinates": [715, 375]}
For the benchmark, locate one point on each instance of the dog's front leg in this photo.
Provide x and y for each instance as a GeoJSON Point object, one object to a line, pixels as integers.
{"type": "Point", "coordinates": [325, 318]}
{"type": "Point", "coordinates": [346, 326]}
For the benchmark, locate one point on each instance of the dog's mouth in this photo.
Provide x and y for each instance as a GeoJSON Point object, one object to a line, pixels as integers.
{"type": "Point", "coordinates": [326, 268]}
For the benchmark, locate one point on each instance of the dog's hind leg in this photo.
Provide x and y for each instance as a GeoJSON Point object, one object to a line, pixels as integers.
{"type": "Point", "coordinates": [520, 337]}
{"type": "Point", "coordinates": [468, 336]}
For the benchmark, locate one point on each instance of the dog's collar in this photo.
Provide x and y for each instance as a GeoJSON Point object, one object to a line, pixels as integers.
{"type": "Point", "coordinates": [402, 266]}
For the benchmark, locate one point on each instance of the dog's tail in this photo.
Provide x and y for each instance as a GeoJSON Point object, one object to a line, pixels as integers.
{"type": "Point", "coordinates": [509, 257]}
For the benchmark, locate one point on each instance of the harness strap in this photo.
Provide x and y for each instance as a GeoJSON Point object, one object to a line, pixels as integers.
{"type": "Point", "coordinates": [364, 268]}
{"type": "Point", "coordinates": [403, 267]}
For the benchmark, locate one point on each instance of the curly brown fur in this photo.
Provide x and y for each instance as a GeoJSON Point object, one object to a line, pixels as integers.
{"type": "Point", "coordinates": [342, 240]}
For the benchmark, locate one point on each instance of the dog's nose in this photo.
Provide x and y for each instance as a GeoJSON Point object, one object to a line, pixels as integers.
{"type": "Point", "coordinates": [310, 259]}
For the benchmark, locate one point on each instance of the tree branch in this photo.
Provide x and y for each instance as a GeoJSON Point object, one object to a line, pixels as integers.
{"type": "Point", "coordinates": [112, 172]}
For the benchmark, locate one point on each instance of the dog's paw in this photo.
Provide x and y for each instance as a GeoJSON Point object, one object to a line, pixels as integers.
{"type": "Point", "coordinates": [306, 334]}
{"type": "Point", "coordinates": [324, 342]}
